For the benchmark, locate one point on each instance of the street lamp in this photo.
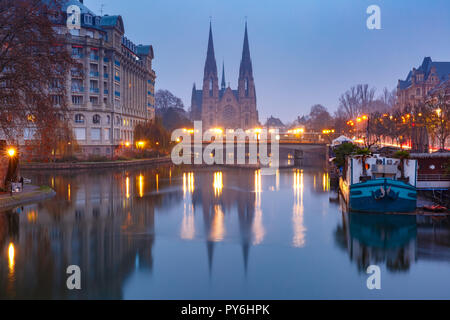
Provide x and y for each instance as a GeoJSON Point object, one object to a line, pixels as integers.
{"type": "Point", "coordinates": [11, 152]}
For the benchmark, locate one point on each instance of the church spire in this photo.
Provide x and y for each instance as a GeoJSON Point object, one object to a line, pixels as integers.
{"type": "Point", "coordinates": [246, 62]}
{"type": "Point", "coordinates": [210, 64]}
{"type": "Point", "coordinates": [223, 85]}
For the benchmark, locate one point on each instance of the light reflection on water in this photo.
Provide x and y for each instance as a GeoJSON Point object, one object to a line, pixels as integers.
{"type": "Point", "coordinates": [213, 233]}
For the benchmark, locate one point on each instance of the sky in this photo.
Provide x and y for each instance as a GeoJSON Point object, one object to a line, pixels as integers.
{"type": "Point", "coordinates": [304, 52]}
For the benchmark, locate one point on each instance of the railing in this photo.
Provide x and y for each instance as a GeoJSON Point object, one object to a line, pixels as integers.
{"type": "Point", "coordinates": [106, 91]}
{"type": "Point", "coordinates": [93, 57]}
{"type": "Point", "coordinates": [93, 74]}
{"type": "Point", "coordinates": [77, 55]}
{"type": "Point", "coordinates": [105, 75]}
{"type": "Point", "coordinates": [94, 90]}
{"type": "Point", "coordinates": [77, 89]}
{"type": "Point", "coordinates": [117, 78]}
{"type": "Point", "coordinates": [76, 74]}
{"type": "Point", "coordinates": [433, 177]}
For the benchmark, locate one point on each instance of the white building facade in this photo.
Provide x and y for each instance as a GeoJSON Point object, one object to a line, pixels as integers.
{"type": "Point", "coordinates": [113, 90]}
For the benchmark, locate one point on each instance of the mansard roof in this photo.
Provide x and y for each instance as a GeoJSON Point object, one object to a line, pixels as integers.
{"type": "Point", "coordinates": [112, 21]}
{"type": "Point", "coordinates": [145, 50]}
{"type": "Point", "coordinates": [82, 7]}
{"type": "Point", "coordinates": [442, 70]}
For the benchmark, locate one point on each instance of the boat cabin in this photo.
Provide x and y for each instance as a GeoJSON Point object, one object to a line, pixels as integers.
{"type": "Point", "coordinates": [358, 169]}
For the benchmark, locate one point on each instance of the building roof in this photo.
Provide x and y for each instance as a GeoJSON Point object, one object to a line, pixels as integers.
{"type": "Point", "coordinates": [274, 122]}
{"type": "Point", "coordinates": [145, 50]}
{"type": "Point", "coordinates": [442, 70]}
{"type": "Point", "coordinates": [82, 7]}
{"type": "Point", "coordinates": [210, 64]}
{"type": "Point", "coordinates": [246, 61]}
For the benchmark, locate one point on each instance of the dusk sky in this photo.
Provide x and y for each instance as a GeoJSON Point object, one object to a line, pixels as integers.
{"type": "Point", "coordinates": [304, 52]}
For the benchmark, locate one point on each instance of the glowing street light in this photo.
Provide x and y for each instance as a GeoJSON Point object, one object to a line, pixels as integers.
{"type": "Point", "coordinates": [11, 152]}
{"type": "Point", "coordinates": [140, 144]}
{"type": "Point", "coordinates": [438, 112]}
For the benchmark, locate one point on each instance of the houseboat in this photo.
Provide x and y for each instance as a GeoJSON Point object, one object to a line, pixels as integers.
{"type": "Point", "coordinates": [379, 184]}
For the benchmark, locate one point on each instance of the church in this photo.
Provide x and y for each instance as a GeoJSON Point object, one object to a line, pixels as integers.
{"type": "Point", "coordinates": [226, 108]}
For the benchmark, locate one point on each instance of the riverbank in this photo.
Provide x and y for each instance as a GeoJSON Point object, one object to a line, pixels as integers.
{"type": "Point", "coordinates": [30, 194]}
{"type": "Point", "coordinates": [94, 165]}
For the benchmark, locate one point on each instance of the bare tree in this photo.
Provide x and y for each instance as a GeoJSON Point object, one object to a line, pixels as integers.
{"type": "Point", "coordinates": [366, 97]}
{"type": "Point", "coordinates": [349, 103]}
{"type": "Point", "coordinates": [34, 63]}
{"type": "Point", "coordinates": [164, 99]}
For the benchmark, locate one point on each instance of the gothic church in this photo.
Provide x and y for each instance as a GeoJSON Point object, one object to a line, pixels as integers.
{"type": "Point", "coordinates": [224, 107]}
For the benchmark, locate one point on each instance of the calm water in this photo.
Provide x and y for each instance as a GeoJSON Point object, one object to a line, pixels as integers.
{"type": "Point", "coordinates": [174, 233]}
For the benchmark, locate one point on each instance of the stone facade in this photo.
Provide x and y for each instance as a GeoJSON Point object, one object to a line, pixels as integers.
{"type": "Point", "coordinates": [420, 82]}
{"type": "Point", "coordinates": [113, 91]}
{"type": "Point", "coordinates": [225, 107]}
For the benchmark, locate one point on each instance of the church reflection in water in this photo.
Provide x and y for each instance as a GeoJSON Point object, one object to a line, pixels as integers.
{"type": "Point", "coordinates": [106, 223]}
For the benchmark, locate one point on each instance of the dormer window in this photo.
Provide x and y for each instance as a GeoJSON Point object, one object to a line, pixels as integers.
{"type": "Point", "coordinates": [97, 21]}
{"type": "Point", "coordinates": [88, 19]}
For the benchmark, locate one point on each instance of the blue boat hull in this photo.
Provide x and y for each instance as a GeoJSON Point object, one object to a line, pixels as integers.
{"type": "Point", "coordinates": [382, 195]}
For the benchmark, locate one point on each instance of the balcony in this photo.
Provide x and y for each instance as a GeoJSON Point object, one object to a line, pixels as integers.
{"type": "Point", "coordinates": [93, 57]}
{"type": "Point", "coordinates": [106, 75]}
{"type": "Point", "coordinates": [94, 90]}
{"type": "Point", "coordinates": [93, 74]}
{"type": "Point", "coordinates": [77, 55]}
{"type": "Point", "coordinates": [106, 91]}
{"type": "Point", "coordinates": [77, 89]}
{"type": "Point", "coordinates": [117, 78]}
{"type": "Point", "coordinates": [76, 74]}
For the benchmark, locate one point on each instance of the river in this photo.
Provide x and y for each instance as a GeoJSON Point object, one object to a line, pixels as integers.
{"type": "Point", "coordinates": [213, 233]}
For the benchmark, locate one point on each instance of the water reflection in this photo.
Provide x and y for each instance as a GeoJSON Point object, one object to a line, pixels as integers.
{"type": "Point", "coordinates": [298, 240]}
{"type": "Point", "coordinates": [396, 241]}
{"type": "Point", "coordinates": [227, 224]}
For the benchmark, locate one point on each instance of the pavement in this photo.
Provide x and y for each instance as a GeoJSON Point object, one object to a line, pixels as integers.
{"type": "Point", "coordinates": [29, 194]}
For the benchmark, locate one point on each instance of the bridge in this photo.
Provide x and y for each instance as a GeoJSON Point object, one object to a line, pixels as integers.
{"type": "Point", "coordinates": [292, 153]}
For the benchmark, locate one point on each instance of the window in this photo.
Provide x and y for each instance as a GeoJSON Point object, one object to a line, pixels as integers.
{"type": "Point", "coordinates": [93, 100]}
{"type": "Point", "coordinates": [77, 100]}
{"type": "Point", "coordinates": [79, 118]}
{"type": "Point", "coordinates": [57, 100]}
{"type": "Point", "coordinates": [80, 133]}
{"type": "Point", "coordinates": [107, 134]}
{"type": "Point", "coordinates": [96, 119]}
{"type": "Point", "coordinates": [77, 85]}
{"type": "Point", "coordinates": [108, 119]}
{"type": "Point", "coordinates": [95, 134]}
{"type": "Point", "coordinates": [87, 19]}
{"type": "Point", "coordinates": [28, 133]}
{"type": "Point", "coordinates": [210, 87]}
{"type": "Point", "coordinates": [418, 91]}
{"type": "Point", "coordinates": [77, 51]}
